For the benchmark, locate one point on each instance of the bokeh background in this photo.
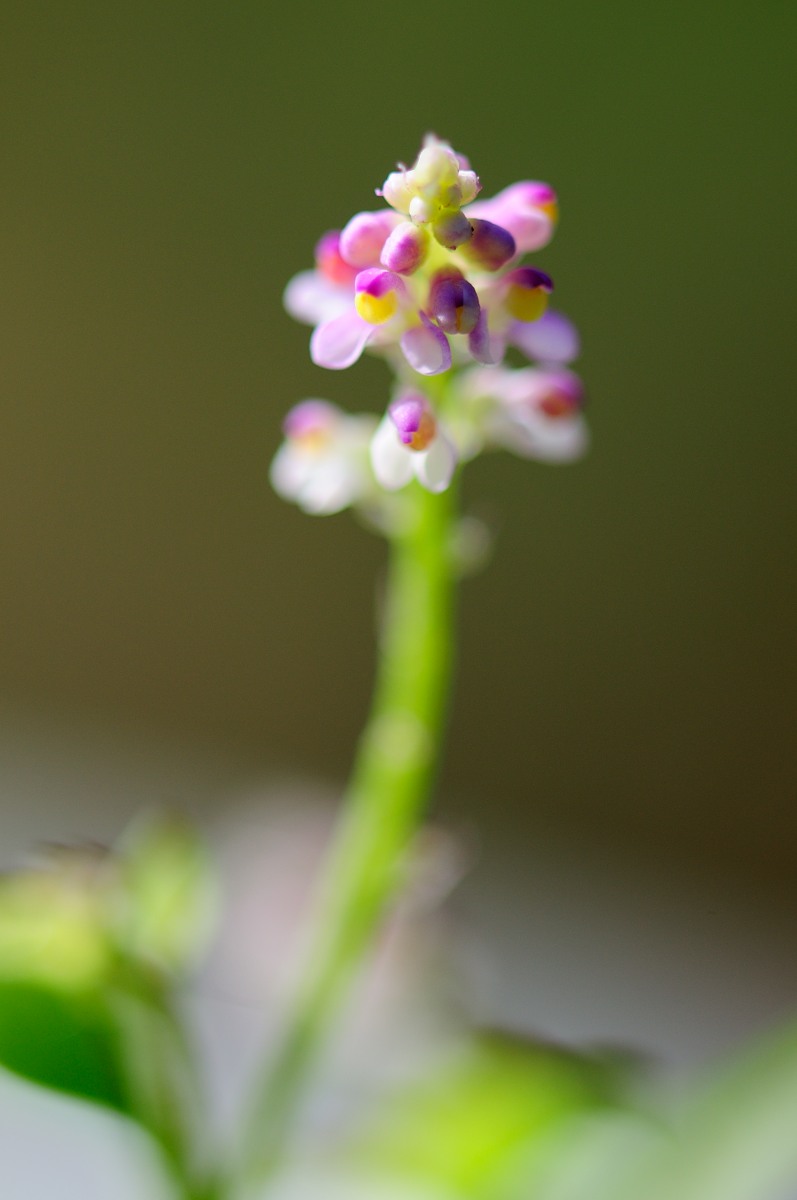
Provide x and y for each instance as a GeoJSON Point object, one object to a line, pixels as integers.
{"type": "Point", "coordinates": [621, 745]}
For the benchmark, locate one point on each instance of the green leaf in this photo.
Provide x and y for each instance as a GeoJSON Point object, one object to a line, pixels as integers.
{"type": "Point", "coordinates": [61, 1040]}
{"type": "Point", "coordinates": [478, 1129]}
{"type": "Point", "coordinates": [738, 1139]}
{"type": "Point", "coordinates": [167, 905]}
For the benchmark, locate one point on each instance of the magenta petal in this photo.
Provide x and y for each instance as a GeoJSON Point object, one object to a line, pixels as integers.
{"type": "Point", "coordinates": [361, 241]}
{"type": "Point", "coordinates": [519, 209]}
{"type": "Point", "coordinates": [406, 412]}
{"type": "Point", "coordinates": [426, 348]}
{"type": "Point", "coordinates": [405, 249]}
{"type": "Point", "coordinates": [552, 339]}
{"type": "Point", "coordinates": [340, 342]}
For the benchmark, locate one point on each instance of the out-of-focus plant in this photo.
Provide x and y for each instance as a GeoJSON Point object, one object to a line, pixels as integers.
{"type": "Point", "coordinates": [97, 946]}
{"type": "Point", "coordinates": [91, 944]}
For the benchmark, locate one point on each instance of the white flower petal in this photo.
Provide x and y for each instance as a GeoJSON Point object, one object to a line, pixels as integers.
{"type": "Point", "coordinates": [531, 434]}
{"type": "Point", "coordinates": [332, 486]}
{"type": "Point", "coordinates": [392, 462]}
{"type": "Point", "coordinates": [289, 471]}
{"type": "Point", "coordinates": [435, 465]}
{"type": "Point", "coordinates": [397, 192]}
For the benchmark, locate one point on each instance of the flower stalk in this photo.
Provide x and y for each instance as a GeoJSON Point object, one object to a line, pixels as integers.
{"type": "Point", "coordinates": [390, 784]}
{"type": "Point", "coordinates": [433, 284]}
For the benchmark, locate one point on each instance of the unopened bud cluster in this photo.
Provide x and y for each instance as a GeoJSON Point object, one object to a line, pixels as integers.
{"type": "Point", "coordinates": [433, 283]}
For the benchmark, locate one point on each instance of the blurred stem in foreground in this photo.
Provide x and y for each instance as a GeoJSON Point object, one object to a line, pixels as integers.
{"type": "Point", "coordinates": [390, 783]}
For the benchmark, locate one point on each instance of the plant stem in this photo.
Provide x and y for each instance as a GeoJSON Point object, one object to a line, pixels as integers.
{"type": "Point", "coordinates": [390, 783]}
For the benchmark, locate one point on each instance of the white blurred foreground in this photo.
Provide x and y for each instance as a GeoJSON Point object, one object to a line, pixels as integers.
{"type": "Point", "coordinates": [562, 939]}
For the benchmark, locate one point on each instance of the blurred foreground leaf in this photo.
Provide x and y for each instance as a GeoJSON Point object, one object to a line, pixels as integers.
{"type": "Point", "coordinates": [166, 904]}
{"type": "Point", "coordinates": [482, 1130]}
{"type": "Point", "coordinates": [738, 1139]}
{"type": "Point", "coordinates": [90, 942]}
{"type": "Point", "coordinates": [60, 1040]}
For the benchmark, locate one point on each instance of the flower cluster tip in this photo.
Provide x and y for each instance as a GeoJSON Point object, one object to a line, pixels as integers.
{"type": "Point", "coordinates": [433, 283]}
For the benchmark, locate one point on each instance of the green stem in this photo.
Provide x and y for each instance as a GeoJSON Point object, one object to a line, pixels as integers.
{"type": "Point", "coordinates": [391, 780]}
{"type": "Point", "coordinates": [162, 1080]}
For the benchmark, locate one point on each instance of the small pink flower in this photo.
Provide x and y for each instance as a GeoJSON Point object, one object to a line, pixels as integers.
{"type": "Point", "coordinates": [409, 443]}
{"type": "Point", "coordinates": [323, 463]}
{"type": "Point", "coordinates": [534, 412]}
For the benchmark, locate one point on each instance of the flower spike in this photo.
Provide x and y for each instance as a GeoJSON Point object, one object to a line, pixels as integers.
{"type": "Point", "coordinates": [434, 282]}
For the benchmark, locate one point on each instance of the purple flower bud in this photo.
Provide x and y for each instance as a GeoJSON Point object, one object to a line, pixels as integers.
{"type": "Point", "coordinates": [528, 210]}
{"type": "Point", "coordinates": [414, 422]}
{"type": "Point", "coordinates": [453, 302]}
{"type": "Point", "coordinates": [405, 248]}
{"type": "Point", "coordinates": [361, 241]}
{"type": "Point", "coordinates": [452, 230]}
{"type": "Point", "coordinates": [491, 246]}
{"type": "Point", "coordinates": [406, 414]}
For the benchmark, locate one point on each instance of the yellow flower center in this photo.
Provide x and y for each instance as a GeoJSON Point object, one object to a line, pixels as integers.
{"type": "Point", "coordinates": [526, 304]}
{"type": "Point", "coordinates": [376, 309]}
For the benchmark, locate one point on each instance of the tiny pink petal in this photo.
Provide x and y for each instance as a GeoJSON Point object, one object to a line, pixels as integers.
{"type": "Point", "coordinates": [482, 346]}
{"type": "Point", "coordinates": [310, 416]}
{"type": "Point", "coordinates": [362, 239]}
{"type": "Point", "coordinates": [426, 348]}
{"type": "Point", "coordinates": [338, 343]}
{"type": "Point", "coordinates": [311, 297]}
{"type": "Point", "coordinates": [405, 248]}
{"type": "Point", "coordinates": [552, 339]}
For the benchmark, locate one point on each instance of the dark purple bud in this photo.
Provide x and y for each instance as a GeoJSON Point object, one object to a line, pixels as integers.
{"type": "Point", "coordinates": [452, 230]}
{"type": "Point", "coordinates": [491, 246]}
{"type": "Point", "coordinates": [453, 302]}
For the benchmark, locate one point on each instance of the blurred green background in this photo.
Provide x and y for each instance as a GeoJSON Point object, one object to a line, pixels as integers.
{"type": "Point", "coordinates": [627, 667]}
